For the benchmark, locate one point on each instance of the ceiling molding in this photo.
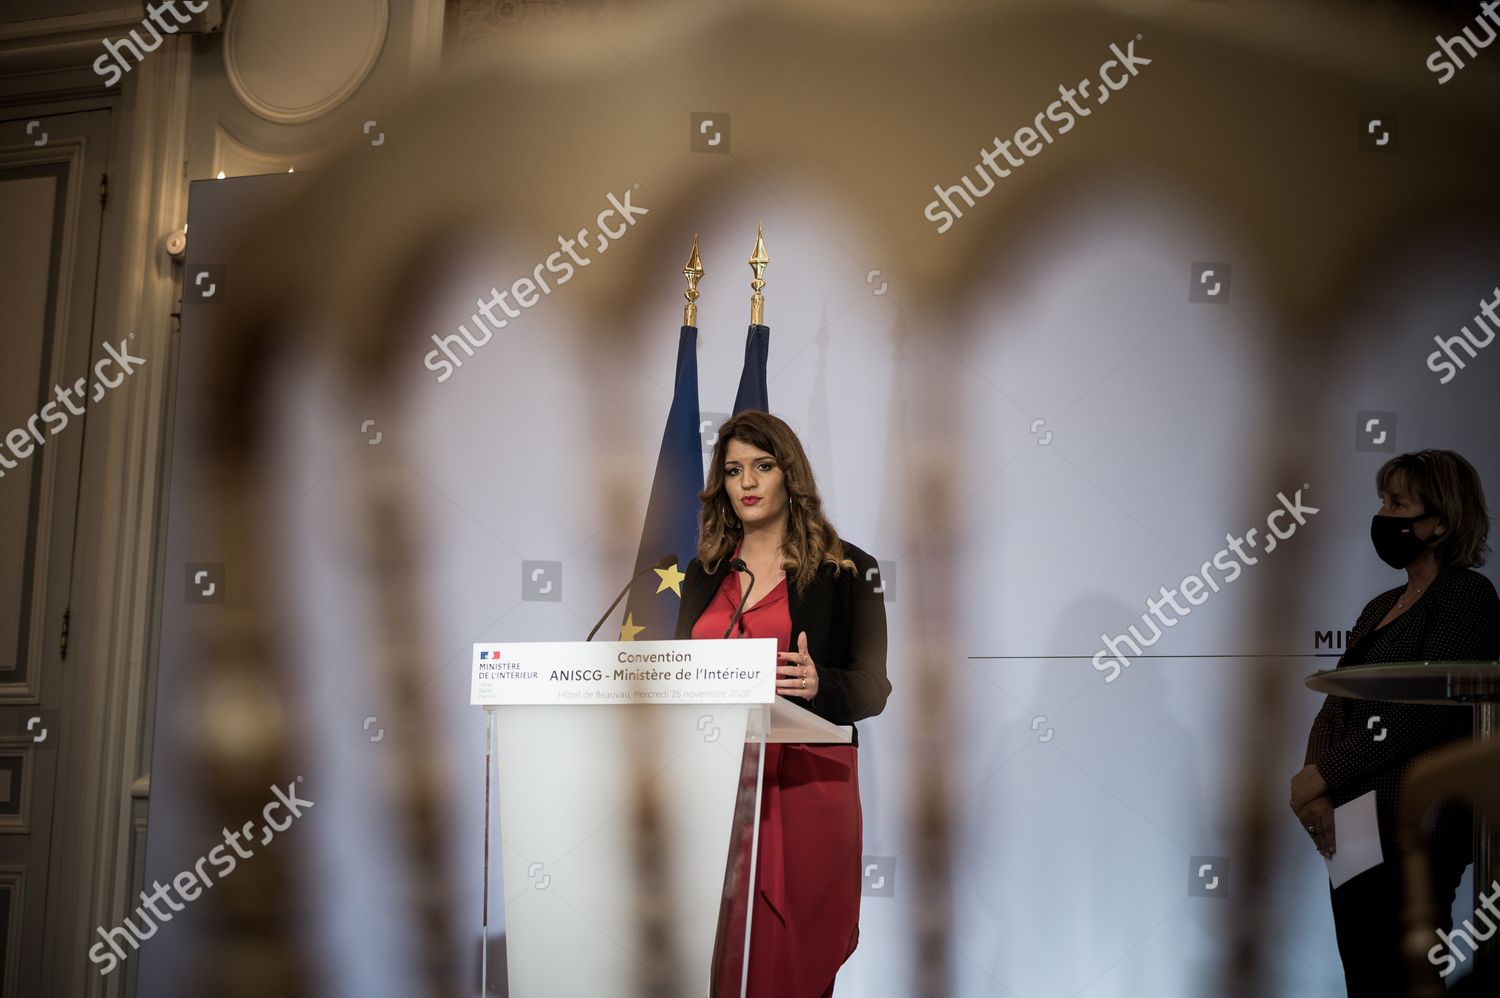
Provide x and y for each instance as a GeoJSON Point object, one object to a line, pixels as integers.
{"type": "Point", "coordinates": [72, 27]}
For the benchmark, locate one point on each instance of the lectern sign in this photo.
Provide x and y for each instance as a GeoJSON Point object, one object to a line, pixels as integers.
{"type": "Point", "coordinates": [565, 746]}
{"type": "Point", "coordinates": [737, 670]}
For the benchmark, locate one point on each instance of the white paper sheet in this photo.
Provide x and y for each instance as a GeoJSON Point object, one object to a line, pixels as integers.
{"type": "Point", "coordinates": [1356, 840]}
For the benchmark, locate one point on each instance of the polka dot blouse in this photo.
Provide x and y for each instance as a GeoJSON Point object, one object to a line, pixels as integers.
{"type": "Point", "coordinates": [1457, 619]}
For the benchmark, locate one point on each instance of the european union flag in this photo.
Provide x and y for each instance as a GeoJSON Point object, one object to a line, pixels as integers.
{"type": "Point", "coordinates": [672, 512]}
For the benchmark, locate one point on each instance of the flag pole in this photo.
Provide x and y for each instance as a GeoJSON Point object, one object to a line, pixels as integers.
{"type": "Point", "coordinates": [758, 261]}
{"type": "Point", "coordinates": [693, 270]}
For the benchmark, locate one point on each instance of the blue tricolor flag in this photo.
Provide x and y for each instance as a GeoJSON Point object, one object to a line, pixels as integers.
{"type": "Point", "coordinates": [752, 393]}
{"type": "Point", "coordinates": [672, 513]}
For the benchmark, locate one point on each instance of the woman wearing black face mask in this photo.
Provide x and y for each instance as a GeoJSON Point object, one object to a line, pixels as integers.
{"type": "Point", "coordinates": [1433, 524]}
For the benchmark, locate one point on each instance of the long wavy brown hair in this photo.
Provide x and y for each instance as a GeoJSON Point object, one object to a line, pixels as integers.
{"type": "Point", "coordinates": [810, 540]}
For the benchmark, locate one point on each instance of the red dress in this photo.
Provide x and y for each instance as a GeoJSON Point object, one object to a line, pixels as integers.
{"type": "Point", "coordinates": [807, 894]}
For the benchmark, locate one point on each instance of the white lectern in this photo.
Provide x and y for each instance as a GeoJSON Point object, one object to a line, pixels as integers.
{"type": "Point", "coordinates": [569, 726]}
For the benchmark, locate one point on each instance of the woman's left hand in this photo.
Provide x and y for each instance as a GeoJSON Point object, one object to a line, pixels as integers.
{"type": "Point", "coordinates": [799, 677]}
{"type": "Point", "coordinates": [1317, 819]}
{"type": "Point", "coordinates": [1308, 785]}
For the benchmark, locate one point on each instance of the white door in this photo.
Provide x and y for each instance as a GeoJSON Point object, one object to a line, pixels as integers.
{"type": "Point", "coordinates": [51, 169]}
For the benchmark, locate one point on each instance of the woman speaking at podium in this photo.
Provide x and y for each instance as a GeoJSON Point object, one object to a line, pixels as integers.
{"type": "Point", "coordinates": [819, 597]}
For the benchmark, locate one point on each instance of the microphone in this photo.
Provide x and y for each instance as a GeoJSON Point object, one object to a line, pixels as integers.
{"type": "Point", "coordinates": [738, 564]}
{"type": "Point", "coordinates": [665, 561]}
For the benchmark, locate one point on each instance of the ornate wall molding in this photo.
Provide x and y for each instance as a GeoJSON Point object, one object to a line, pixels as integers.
{"type": "Point", "coordinates": [290, 67]}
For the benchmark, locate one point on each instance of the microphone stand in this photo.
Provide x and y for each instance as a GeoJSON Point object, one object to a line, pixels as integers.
{"type": "Point", "coordinates": [665, 561]}
{"type": "Point", "coordinates": [739, 565]}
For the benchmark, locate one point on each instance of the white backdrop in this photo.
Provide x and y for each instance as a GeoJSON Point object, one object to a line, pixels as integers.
{"type": "Point", "coordinates": [1082, 803]}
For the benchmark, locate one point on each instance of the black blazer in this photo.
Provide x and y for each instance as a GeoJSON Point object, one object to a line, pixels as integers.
{"type": "Point", "coordinates": [845, 623]}
{"type": "Point", "coordinates": [1456, 619]}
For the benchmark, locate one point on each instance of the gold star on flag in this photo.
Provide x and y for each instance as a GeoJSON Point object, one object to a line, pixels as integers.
{"type": "Point", "coordinates": [671, 579]}
{"type": "Point", "coordinates": [630, 629]}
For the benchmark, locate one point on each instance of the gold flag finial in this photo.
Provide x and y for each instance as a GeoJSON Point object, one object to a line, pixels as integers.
{"type": "Point", "coordinates": [693, 270]}
{"type": "Point", "coordinates": [758, 261]}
